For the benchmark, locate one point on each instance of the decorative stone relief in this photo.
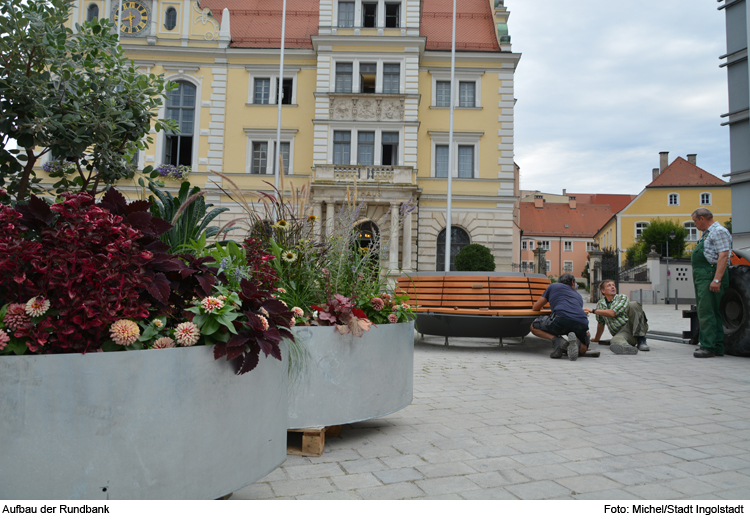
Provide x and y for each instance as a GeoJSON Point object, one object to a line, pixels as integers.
{"type": "Point", "coordinates": [358, 108]}
{"type": "Point", "coordinates": [204, 17]}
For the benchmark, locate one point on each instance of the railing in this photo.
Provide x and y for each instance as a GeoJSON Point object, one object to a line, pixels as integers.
{"type": "Point", "coordinates": [391, 174]}
{"type": "Point", "coordinates": [635, 274]}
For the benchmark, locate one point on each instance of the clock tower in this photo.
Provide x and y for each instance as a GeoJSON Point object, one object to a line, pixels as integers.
{"type": "Point", "coordinates": [134, 19]}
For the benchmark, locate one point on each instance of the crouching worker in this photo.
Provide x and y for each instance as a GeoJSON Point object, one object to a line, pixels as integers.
{"type": "Point", "coordinates": [625, 319]}
{"type": "Point", "coordinates": [567, 318]}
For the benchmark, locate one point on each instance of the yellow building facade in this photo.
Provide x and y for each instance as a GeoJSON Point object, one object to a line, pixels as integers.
{"type": "Point", "coordinates": [677, 190]}
{"type": "Point", "coordinates": [365, 101]}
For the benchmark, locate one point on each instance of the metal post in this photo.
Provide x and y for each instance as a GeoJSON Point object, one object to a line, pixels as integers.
{"type": "Point", "coordinates": [676, 298]}
{"type": "Point", "coordinates": [666, 301]}
{"type": "Point", "coordinates": [448, 225]}
{"type": "Point", "coordinates": [640, 296]}
{"type": "Point", "coordinates": [279, 85]}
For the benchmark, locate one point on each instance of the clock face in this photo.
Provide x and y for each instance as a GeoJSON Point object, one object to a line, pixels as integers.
{"type": "Point", "coordinates": [135, 17]}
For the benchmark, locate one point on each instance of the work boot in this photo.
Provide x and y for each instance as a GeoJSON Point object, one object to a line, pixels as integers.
{"type": "Point", "coordinates": [573, 346]}
{"type": "Point", "coordinates": [703, 353]}
{"type": "Point", "coordinates": [623, 349]}
{"type": "Point", "coordinates": [590, 353]}
{"type": "Point", "coordinates": [558, 345]}
{"type": "Point", "coordinates": [642, 345]}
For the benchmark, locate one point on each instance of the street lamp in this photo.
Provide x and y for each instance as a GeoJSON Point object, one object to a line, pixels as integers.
{"type": "Point", "coordinates": [671, 236]}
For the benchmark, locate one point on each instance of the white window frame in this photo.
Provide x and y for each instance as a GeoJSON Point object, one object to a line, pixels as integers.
{"type": "Point", "coordinates": [568, 245]}
{"type": "Point", "coordinates": [459, 139]}
{"type": "Point", "coordinates": [590, 246]}
{"type": "Point", "coordinates": [161, 139]}
{"type": "Point", "coordinates": [461, 76]}
{"type": "Point", "coordinates": [380, 22]}
{"type": "Point", "coordinates": [524, 245]}
{"type": "Point", "coordinates": [355, 61]}
{"type": "Point", "coordinates": [531, 245]}
{"type": "Point", "coordinates": [259, 135]}
{"type": "Point", "coordinates": [548, 263]}
{"type": "Point", "coordinates": [692, 232]}
{"type": "Point", "coordinates": [98, 12]}
{"type": "Point", "coordinates": [567, 264]}
{"type": "Point", "coordinates": [677, 199]}
{"type": "Point", "coordinates": [544, 244]}
{"type": "Point", "coordinates": [378, 129]}
{"type": "Point", "coordinates": [274, 76]}
{"type": "Point", "coordinates": [163, 17]}
{"type": "Point", "coordinates": [709, 199]}
{"type": "Point", "coordinates": [637, 227]}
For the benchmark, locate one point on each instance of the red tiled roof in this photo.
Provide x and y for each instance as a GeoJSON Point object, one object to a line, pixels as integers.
{"type": "Point", "coordinates": [583, 221]}
{"type": "Point", "coordinates": [475, 25]}
{"type": "Point", "coordinates": [616, 202]}
{"type": "Point", "coordinates": [682, 173]}
{"type": "Point", "coordinates": [257, 23]}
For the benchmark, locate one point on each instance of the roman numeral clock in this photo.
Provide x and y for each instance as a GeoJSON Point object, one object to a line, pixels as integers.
{"type": "Point", "coordinates": [135, 17]}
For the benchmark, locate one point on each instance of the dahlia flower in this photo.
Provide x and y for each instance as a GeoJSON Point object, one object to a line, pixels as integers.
{"type": "Point", "coordinates": [263, 311]}
{"type": "Point", "coordinates": [124, 332]}
{"type": "Point", "coordinates": [187, 334]}
{"type": "Point", "coordinates": [377, 303]}
{"type": "Point", "coordinates": [164, 342]}
{"type": "Point", "coordinates": [281, 290]}
{"type": "Point", "coordinates": [158, 323]}
{"type": "Point", "coordinates": [37, 306]}
{"type": "Point", "coordinates": [264, 322]}
{"type": "Point", "coordinates": [392, 318]}
{"type": "Point", "coordinates": [292, 322]}
{"type": "Point", "coordinates": [211, 304]}
{"type": "Point", "coordinates": [16, 316]}
{"type": "Point", "coordinates": [298, 312]}
{"type": "Point", "coordinates": [5, 338]}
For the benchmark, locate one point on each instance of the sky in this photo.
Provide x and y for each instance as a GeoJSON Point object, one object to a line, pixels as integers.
{"type": "Point", "coordinates": [603, 86]}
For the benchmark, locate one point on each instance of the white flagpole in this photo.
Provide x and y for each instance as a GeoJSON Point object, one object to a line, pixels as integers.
{"type": "Point", "coordinates": [450, 147]}
{"type": "Point", "coordinates": [280, 84]}
{"type": "Point", "coordinates": [119, 21]}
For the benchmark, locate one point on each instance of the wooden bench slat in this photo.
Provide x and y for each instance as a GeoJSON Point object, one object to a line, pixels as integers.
{"type": "Point", "coordinates": [526, 298]}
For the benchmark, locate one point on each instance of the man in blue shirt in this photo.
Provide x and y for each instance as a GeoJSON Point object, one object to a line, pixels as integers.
{"type": "Point", "coordinates": [567, 317]}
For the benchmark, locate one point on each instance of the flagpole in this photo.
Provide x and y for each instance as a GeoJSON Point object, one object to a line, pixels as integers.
{"type": "Point", "coordinates": [450, 147]}
{"type": "Point", "coordinates": [119, 21]}
{"type": "Point", "coordinates": [280, 84]}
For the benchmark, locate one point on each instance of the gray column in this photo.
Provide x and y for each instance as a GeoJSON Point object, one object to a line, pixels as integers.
{"type": "Point", "coordinates": [318, 226]}
{"type": "Point", "coordinates": [330, 206]}
{"type": "Point", "coordinates": [406, 258]}
{"type": "Point", "coordinates": [393, 256]}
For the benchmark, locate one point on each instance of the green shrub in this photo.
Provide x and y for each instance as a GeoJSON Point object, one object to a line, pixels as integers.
{"type": "Point", "coordinates": [475, 257]}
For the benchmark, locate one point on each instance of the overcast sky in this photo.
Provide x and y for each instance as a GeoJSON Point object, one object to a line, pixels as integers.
{"type": "Point", "coordinates": [604, 86]}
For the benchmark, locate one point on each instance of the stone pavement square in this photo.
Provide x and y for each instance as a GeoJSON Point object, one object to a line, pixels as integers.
{"type": "Point", "coordinates": [492, 423]}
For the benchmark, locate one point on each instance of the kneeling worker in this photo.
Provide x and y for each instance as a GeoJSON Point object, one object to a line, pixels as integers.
{"type": "Point", "coordinates": [567, 317]}
{"type": "Point", "coordinates": [625, 319]}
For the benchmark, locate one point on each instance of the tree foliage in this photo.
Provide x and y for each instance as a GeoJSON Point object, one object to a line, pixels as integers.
{"type": "Point", "coordinates": [475, 257]}
{"type": "Point", "coordinates": [657, 234]}
{"type": "Point", "coordinates": [70, 93]}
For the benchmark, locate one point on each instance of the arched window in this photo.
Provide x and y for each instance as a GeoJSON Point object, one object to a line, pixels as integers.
{"type": "Point", "coordinates": [705, 198]}
{"type": "Point", "coordinates": [92, 13]}
{"type": "Point", "coordinates": [170, 18]}
{"type": "Point", "coordinates": [181, 108]}
{"type": "Point", "coordinates": [640, 227]}
{"type": "Point", "coordinates": [692, 232]}
{"type": "Point", "coordinates": [674, 199]}
{"type": "Point", "coordinates": [459, 239]}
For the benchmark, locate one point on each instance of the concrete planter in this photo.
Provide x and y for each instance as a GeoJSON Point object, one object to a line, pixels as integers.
{"type": "Point", "coordinates": [348, 379]}
{"type": "Point", "coordinates": [146, 424]}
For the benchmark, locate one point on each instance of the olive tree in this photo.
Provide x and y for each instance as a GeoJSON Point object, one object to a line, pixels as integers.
{"type": "Point", "coordinates": [70, 92]}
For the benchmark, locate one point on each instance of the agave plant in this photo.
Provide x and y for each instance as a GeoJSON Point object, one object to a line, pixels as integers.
{"type": "Point", "coordinates": [188, 214]}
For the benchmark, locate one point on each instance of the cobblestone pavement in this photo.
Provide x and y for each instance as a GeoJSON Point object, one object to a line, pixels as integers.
{"type": "Point", "coordinates": [511, 423]}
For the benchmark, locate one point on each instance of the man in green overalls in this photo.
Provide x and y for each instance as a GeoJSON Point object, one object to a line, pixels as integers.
{"type": "Point", "coordinates": [710, 258]}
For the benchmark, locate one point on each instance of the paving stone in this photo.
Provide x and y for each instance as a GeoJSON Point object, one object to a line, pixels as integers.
{"type": "Point", "coordinates": [445, 485]}
{"type": "Point", "coordinates": [331, 495]}
{"type": "Point", "coordinates": [402, 490]}
{"type": "Point", "coordinates": [402, 461]}
{"type": "Point", "coordinates": [727, 480]}
{"type": "Point", "coordinates": [498, 478]}
{"type": "Point", "coordinates": [630, 477]}
{"type": "Point", "coordinates": [618, 449]}
{"type": "Point", "coordinates": [687, 454]}
{"type": "Point", "coordinates": [727, 463]}
{"type": "Point", "coordinates": [654, 492]}
{"type": "Point", "coordinates": [447, 469]}
{"type": "Point", "coordinates": [435, 456]}
{"type": "Point", "coordinates": [488, 494]}
{"type": "Point", "coordinates": [363, 466]}
{"type": "Point", "coordinates": [543, 489]}
{"type": "Point", "coordinates": [551, 472]}
{"type": "Point", "coordinates": [690, 486]}
{"type": "Point", "coordinates": [391, 476]}
{"type": "Point", "coordinates": [331, 469]}
{"type": "Point", "coordinates": [588, 483]}
{"type": "Point", "coordinates": [356, 481]}
{"type": "Point", "coordinates": [257, 491]}
{"type": "Point", "coordinates": [292, 488]}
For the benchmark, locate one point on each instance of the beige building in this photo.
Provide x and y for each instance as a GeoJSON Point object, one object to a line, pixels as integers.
{"type": "Point", "coordinates": [365, 98]}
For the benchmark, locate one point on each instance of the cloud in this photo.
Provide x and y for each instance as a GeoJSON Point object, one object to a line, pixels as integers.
{"type": "Point", "coordinates": [603, 87]}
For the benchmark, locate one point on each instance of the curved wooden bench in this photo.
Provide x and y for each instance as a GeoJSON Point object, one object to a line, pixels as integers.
{"type": "Point", "coordinates": [474, 304]}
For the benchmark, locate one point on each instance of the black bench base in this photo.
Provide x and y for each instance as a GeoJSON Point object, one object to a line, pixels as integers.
{"type": "Point", "coordinates": [449, 325]}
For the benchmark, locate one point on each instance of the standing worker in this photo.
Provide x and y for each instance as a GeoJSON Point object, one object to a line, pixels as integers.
{"type": "Point", "coordinates": [710, 278]}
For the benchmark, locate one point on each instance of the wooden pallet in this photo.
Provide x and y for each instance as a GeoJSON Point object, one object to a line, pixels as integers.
{"type": "Point", "coordinates": [313, 440]}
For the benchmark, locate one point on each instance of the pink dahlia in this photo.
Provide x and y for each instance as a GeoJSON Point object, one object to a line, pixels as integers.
{"type": "Point", "coordinates": [292, 322]}
{"type": "Point", "coordinates": [281, 290]}
{"type": "Point", "coordinates": [298, 312]}
{"type": "Point", "coordinates": [264, 322]}
{"type": "Point", "coordinates": [158, 323]}
{"type": "Point", "coordinates": [37, 306]}
{"type": "Point", "coordinates": [124, 332]}
{"type": "Point", "coordinates": [16, 316]}
{"type": "Point", "coordinates": [392, 318]}
{"type": "Point", "coordinates": [263, 311]}
{"type": "Point", "coordinates": [377, 303]}
{"type": "Point", "coordinates": [4, 339]}
{"type": "Point", "coordinates": [212, 304]}
{"type": "Point", "coordinates": [187, 334]}
{"type": "Point", "coordinates": [164, 342]}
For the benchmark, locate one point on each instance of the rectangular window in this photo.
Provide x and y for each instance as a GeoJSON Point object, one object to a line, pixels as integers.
{"type": "Point", "coordinates": [262, 91]}
{"type": "Point", "coordinates": [466, 94]}
{"type": "Point", "coordinates": [531, 245]}
{"type": "Point", "coordinates": [441, 161]}
{"type": "Point", "coordinates": [284, 157]}
{"type": "Point", "coordinates": [260, 157]}
{"type": "Point", "coordinates": [639, 228]}
{"type": "Point", "coordinates": [705, 198]}
{"type": "Point", "coordinates": [524, 245]}
{"type": "Point", "coordinates": [674, 199]}
{"type": "Point", "coordinates": [391, 78]}
{"type": "Point", "coordinates": [367, 73]}
{"type": "Point", "coordinates": [344, 77]}
{"type": "Point", "coordinates": [544, 244]}
{"type": "Point", "coordinates": [568, 266]}
{"type": "Point", "coordinates": [392, 18]}
{"type": "Point", "coordinates": [369, 15]}
{"type": "Point", "coordinates": [346, 14]}
{"type": "Point", "coordinates": [286, 91]}
{"type": "Point", "coordinates": [548, 265]}
{"type": "Point", "coordinates": [390, 148]}
{"type": "Point", "coordinates": [568, 246]}
{"type": "Point", "coordinates": [590, 246]}
{"type": "Point", "coordinates": [342, 144]}
{"type": "Point", "coordinates": [465, 161]}
{"type": "Point", "coordinates": [443, 93]}
{"type": "Point", "coordinates": [366, 148]}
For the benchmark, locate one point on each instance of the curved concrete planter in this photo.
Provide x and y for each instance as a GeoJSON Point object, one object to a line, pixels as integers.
{"type": "Point", "coordinates": [145, 424]}
{"type": "Point", "coordinates": [348, 379]}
